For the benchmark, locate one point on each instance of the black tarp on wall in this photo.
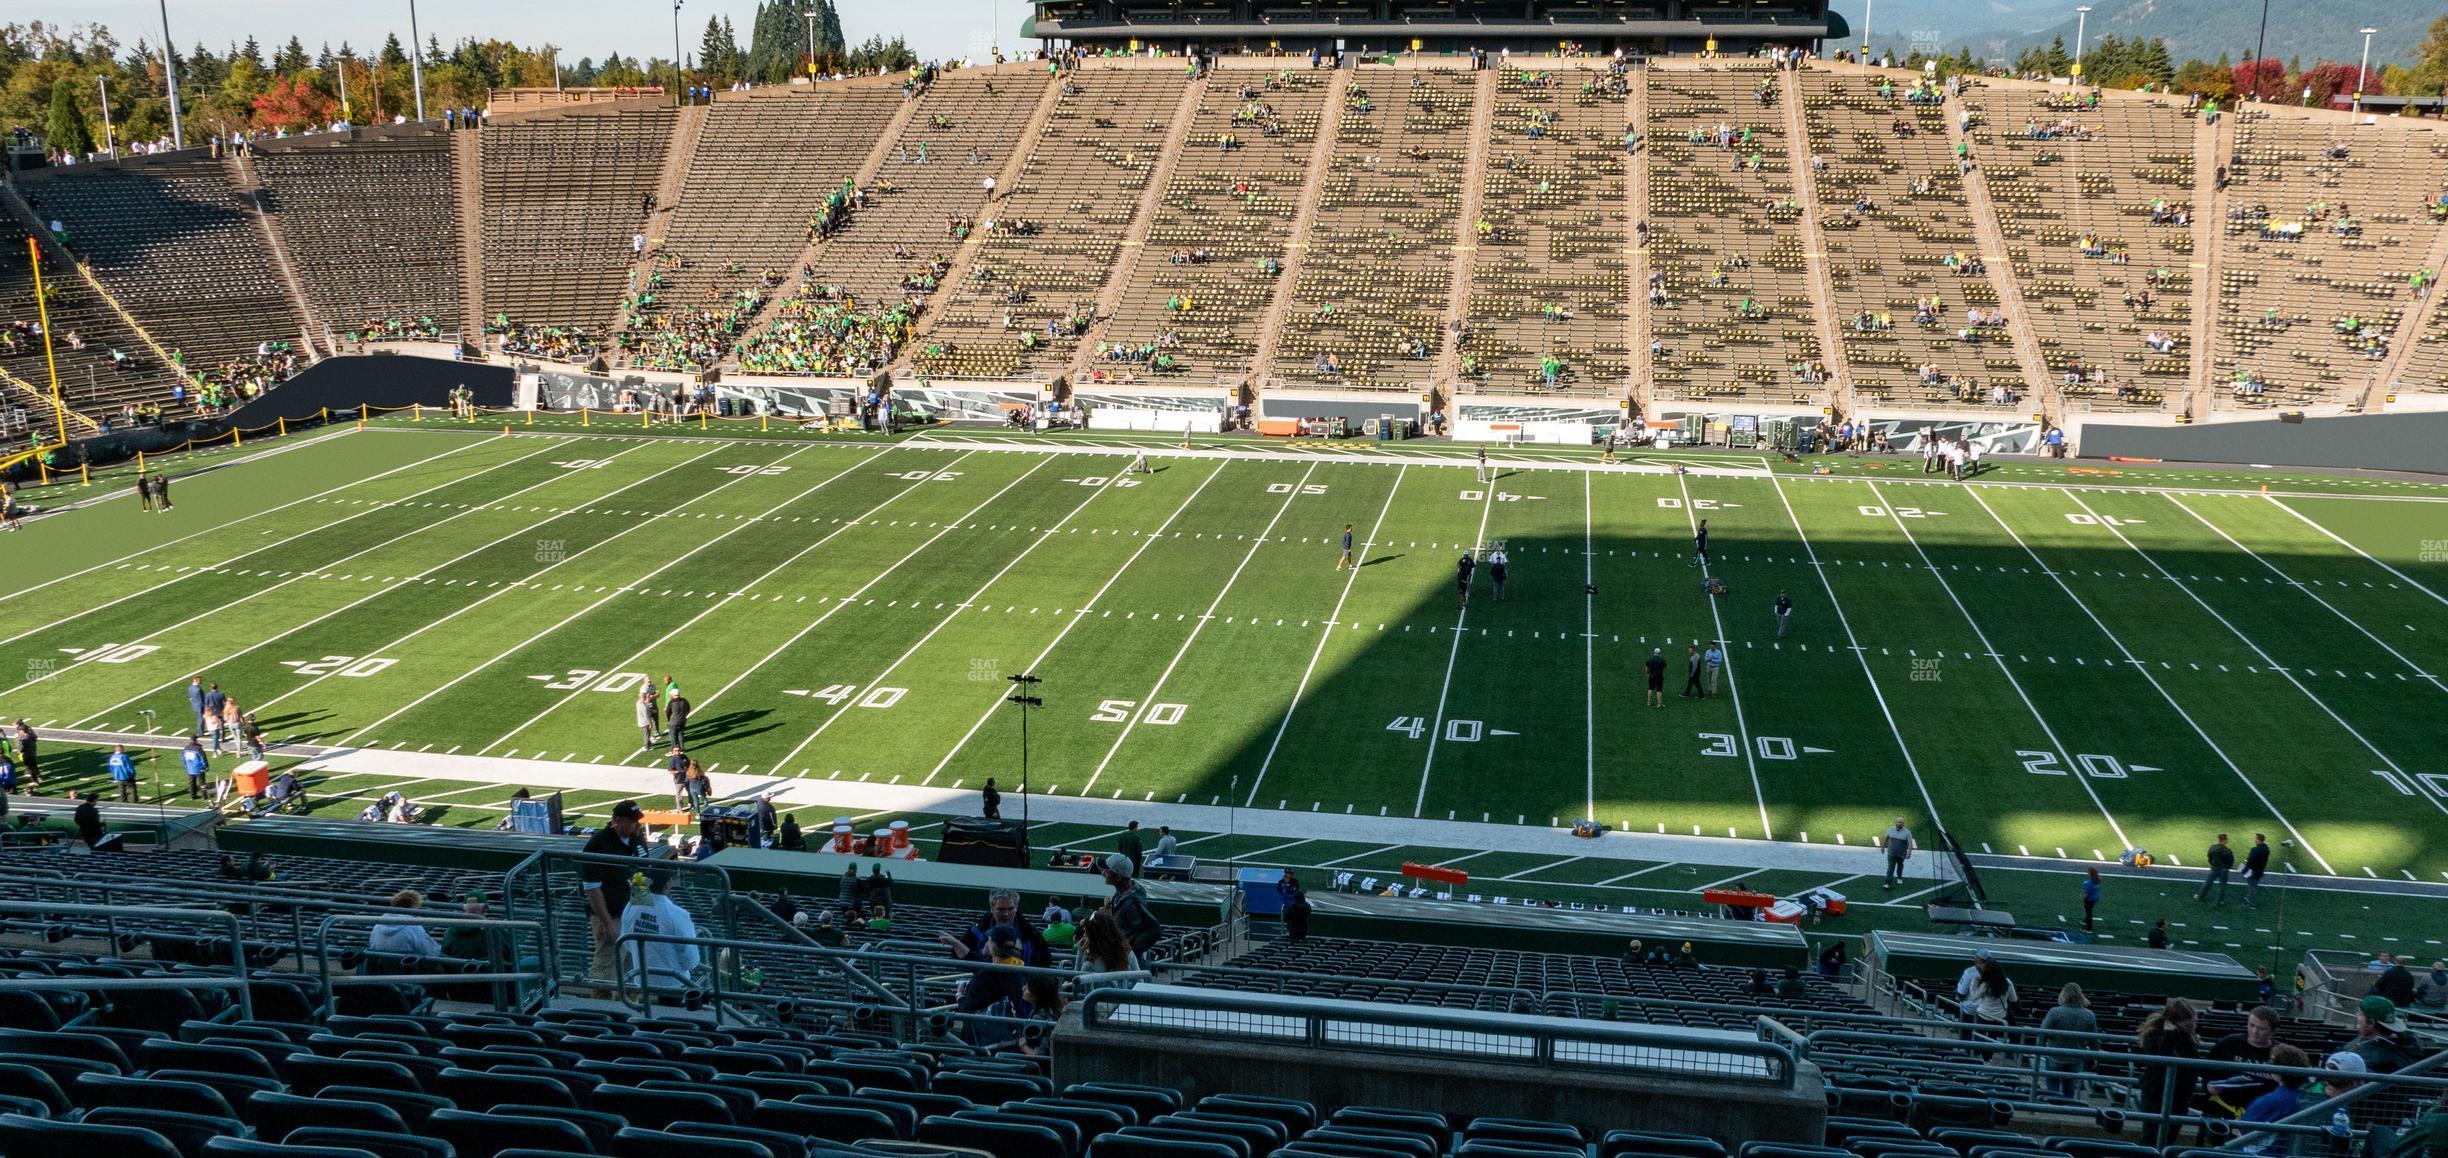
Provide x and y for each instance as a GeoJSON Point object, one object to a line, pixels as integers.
{"type": "Point", "coordinates": [382, 381]}
{"type": "Point", "coordinates": [2417, 442]}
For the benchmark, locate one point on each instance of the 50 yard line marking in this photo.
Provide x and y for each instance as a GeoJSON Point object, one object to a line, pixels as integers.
{"type": "Point", "coordinates": [841, 710]}
{"type": "Point", "coordinates": [2137, 665]}
{"type": "Point", "coordinates": [946, 529]}
{"type": "Point", "coordinates": [1487, 506]}
{"type": "Point", "coordinates": [1148, 704]}
{"type": "Point", "coordinates": [2273, 665]}
{"type": "Point", "coordinates": [517, 584]}
{"type": "Point", "coordinates": [2084, 781]}
{"type": "Point", "coordinates": [260, 643]}
{"type": "Point", "coordinates": [616, 592]}
{"type": "Point", "coordinates": [1733, 689]}
{"type": "Point", "coordinates": [1859, 653]}
{"type": "Point", "coordinates": [1324, 633]}
{"type": "Point", "coordinates": [1079, 613]}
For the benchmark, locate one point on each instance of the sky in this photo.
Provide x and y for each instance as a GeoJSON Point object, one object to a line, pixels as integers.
{"type": "Point", "coordinates": [935, 29]}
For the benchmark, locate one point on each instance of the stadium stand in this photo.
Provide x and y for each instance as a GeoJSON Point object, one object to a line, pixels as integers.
{"type": "Point", "coordinates": [175, 242]}
{"type": "Point", "coordinates": [1234, 194]}
{"type": "Point", "coordinates": [1045, 247]}
{"type": "Point", "coordinates": [564, 192]}
{"type": "Point", "coordinates": [369, 218]}
{"type": "Point", "coordinates": [2095, 199]}
{"type": "Point", "coordinates": [106, 365]}
{"type": "Point", "coordinates": [1730, 303]}
{"type": "Point", "coordinates": [1369, 305]}
{"type": "Point", "coordinates": [1905, 273]}
{"type": "Point", "coordinates": [2323, 233]}
{"type": "Point", "coordinates": [1549, 278]}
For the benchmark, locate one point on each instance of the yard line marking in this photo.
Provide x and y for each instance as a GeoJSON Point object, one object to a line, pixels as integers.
{"type": "Point", "coordinates": [2289, 675]}
{"type": "Point", "coordinates": [1733, 689]}
{"type": "Point", "coordinates": [1724, 881]}
{"type": "Point", "coordinates": [2157, 686]}
{"type": "Point", "coordinates": [770, 572]}
{"type": "Point", "coordinates": [1633, 873]}
{"type": "Point", "coordinates": [1323, 635]}
{"type": "Point", "coordinates": [1589, 655]}
{"type": "Point", "coordinates": [394, 586]}
{"type": "Point", "coordinates": [2315, 596]}
{"type": "Point", "coordinates": [2011, 681]}
{"type": "Point", "coordinates": [1837, 606]}
{"type": "Point", "coordinates": [1145, 542]}
{"type": "Point", "coordinates": [2333, 536]}
{"type": "Point", "coordinates": [616, 593]}
{"type": "Point", "coordinates": [1908, 896]}
{"type": "Point", "coordinates": [1356, 856]}
{"type": "Point", "coordinates": [1487, 506]}
{"type": "Point", "coordinates": [318, 496]}
{"type": "Point", "coordinates": [1541, 869]}
{"type": "Point", "coordinates": [843, 708]}
{"type": "Point", "coordinates": [187, 572]}
{"type": "Point", "coordinates": [1148, 704]}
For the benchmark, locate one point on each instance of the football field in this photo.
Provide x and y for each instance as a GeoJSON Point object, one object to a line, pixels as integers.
{"type": "Point", "coordinates": [2049, 664]}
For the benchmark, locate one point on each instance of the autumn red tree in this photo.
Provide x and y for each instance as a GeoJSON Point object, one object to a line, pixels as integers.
{"type": "Point", "coordinates": [2262, 80]}
{"type": "Point", "coordinates": [2330, 80]}
{"type": "Point", "coordinates": [290, 102]}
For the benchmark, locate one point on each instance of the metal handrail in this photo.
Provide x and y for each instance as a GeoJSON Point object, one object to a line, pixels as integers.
{"type": "Point", "coordinates": [1189, 969]}
{"type": "Point", "coordinates": [1322, 1023]}
{"type": "Point", "coordinates": [540, 864]}
{"type": "Point", "coordinates": [237, 980]}
{"type": "Point", "coordinates": [331, 985]}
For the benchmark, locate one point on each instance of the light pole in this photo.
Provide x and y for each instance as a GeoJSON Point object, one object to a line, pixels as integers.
{"type": "Point", "coordinates": [178, 132]}
{"type": "Point", "coordinates": [811, 27]}
{"type": "Point", "coordinates": [676, 77]}
{"type": "Point", "coordinates": [108, 135]}
{"type": "Point", "coordinates": [2260, 43]}
{"type": "Point", "coordinates": [1868, 7]}
{"type": "Point", "coordinates": [1022, 685]}
{"type": "Point", "coordinates": [416, 62]}
{"type": "Point", "coordinates": [2363, 70]}
{"type": "Point", "coordinates": [2082, 16]}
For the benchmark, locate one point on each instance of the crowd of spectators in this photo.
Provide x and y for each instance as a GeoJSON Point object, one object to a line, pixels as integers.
{"type": "Point", "coordinates": [821, 331]}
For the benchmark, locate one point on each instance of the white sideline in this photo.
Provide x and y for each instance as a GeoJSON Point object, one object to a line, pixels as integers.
{"type": "Point", "coordinates": [2275, 501]}
{"type": "Point", "coordinates": [1487, 506]}
{"type": "Point", "coordinates": [1733, 689]}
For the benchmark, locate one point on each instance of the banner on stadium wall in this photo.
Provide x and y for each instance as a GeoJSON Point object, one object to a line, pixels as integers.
{"type": "Point", "coordinates": [1182, 403]}
{"type": "Point", "coordinates": [1553, 433]}
{"type": "Point", "coordinates": [1993, 437]}
{"type": "Point", "coordinates": [1125, 418]}
{"type": "Point", "coordinates": [1593, 412]}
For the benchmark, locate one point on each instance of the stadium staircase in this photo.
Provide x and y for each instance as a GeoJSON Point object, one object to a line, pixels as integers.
{"type": "Point", "coordinates": [248, 183]}
{"type": "Point", "coordinates": [2213, 144]}
{"type": "Point", "coordinates": [1838, 389]}
{"type": "Point", "coordinates": [1143, 216]}
{"type": "Point", "coordinates": [1296, 246]}
{"type": "Point", "coordinates": [677, 159]}
{"type": "Point", "coordinates": [1024, 147]}
{"type": "Point", "coordinates": [1466, 248]}
{"type": "Point", "coordinates": [467, 175]}
{"type": "Point", "coordinates": [864, 178]}
{"type": "Point", "coordinates": [2407, 349]}
{"type": "Point", "coordinates": [1637, 371]}
{"type": "Point", "coordinates": [154, 383]}
{"type": "Point", "coordinates": [2009, 296]}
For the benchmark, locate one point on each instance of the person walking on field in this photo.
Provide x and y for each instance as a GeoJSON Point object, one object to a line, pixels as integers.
{"type": "Point", "coordinates": [1346, 560]}
{"type": "Point", "coordinates": [1784, 612]}
{"type": "Point", "coordinates": [1897, 843]}
{"type": "Point", "coordinates": [676, 712]}
{"type": "Point", "coordinates": [161, 491]}
{"type": "Point", "coordinates": [192, 758]}
{"type": "Point", "coordinates": [144, 491]}
{"type": "Point", "coordinates": [646, 716]}
{"type": "Point", "coordinates": [1700, 544]}
{"type": "Point", "coordinates": [1483, 465]}
{"type": "Point", "coordinates": [1714, 661]}
{"type": "Point", "coordinates": [1462, 577]}
{"type": "Point", "coordinates": [1657, 677]}
{"type": "Point", "coordinates": [2090, 895]}
{"type": "Point", "coordinates": [195, 701]}
{"type": "Point", "coordinates": [2221, 860]}
{"type": "Point", "coordinates": [2256, 866]}
{"type": "Point", "coordinates": [1691, 674]}
{"type": "Point", "coordinates": [990, 801]}
{"type": "Point", "coordinates": [122, 773]}
{"type": "Point", "coordinates": [1497, 564]}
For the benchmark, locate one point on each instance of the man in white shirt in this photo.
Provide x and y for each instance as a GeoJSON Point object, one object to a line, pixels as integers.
{"type": "Point", "coordinates": [1164, 845]}
{"type": "Point", "coordinates": [666, 965]}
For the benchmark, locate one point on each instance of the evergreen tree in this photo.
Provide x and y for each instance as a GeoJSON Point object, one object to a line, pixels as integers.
{"type": "Point", "coordinates": [65, 130]}
{"type": "Point", "coordinates": [292, 58]}
{"type": "Point", "coordinates": [2059, 61]}
{"type": "Point", "coordinates": [2153, 61]}
{"type": "Point", "coordinates": [250, 52]}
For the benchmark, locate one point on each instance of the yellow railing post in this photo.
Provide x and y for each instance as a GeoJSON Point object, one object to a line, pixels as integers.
{"type": "Point", "coordinates": [325, 418]}
{"type": "Point", "coordinates": [236, 439]}
{"type": "Point", "coordinates": [760, 423]}
{"type": "Point", "coordinates": [140, 462]}
{"type": "Point", "coordinates": [530, 416]}
{"type": "Point", "coordinates": [583, 412]}
{"type": "Point", "coordinates": [42, 472]}
{"type": "Point", "coordinates": [645, 417]}
{"type": "Point", "coordinates": [420, 411]}
{"type": "Point", "coordinates": [701, 420]}
{"type": "Point", "coordinates": [281, 425]}
{"type": "Point", "coordinates": [84, 475]}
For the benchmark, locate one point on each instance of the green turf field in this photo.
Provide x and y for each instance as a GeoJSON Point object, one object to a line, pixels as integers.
{"type": "Point", "coordinates": [2052, 664]}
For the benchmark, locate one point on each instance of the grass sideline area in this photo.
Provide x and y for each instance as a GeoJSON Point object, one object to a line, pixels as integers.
{"type": "Point", "coordinates": [2053, 665]}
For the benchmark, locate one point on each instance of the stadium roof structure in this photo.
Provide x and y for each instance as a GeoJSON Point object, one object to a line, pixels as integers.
{"type": "Point", "coordinates": [1441, 25]}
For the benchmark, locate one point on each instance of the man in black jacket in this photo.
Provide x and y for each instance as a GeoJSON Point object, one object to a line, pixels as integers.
{"type": "Point", "coordinates": [2256, 865]}
{"type": "Point", "coordinates": [1002, 912]}
{"type": "Point", "coordinates": [2222, 861]}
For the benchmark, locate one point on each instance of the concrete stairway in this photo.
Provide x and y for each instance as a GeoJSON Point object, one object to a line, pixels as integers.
{"type": "Point", "coordinates": [1466, 247]}
{"type": "Point", "coordinates": [1024, 147]}
{"type": "Point", "coordinates": [1143, 218]}
{"type": "Point", "coordinates": [2212, 141]}
{"type": "Point", "coordinates": [1814, 247]}
{"type": "Point", "coordinates": [1636, 255]}
{"type": "Point", "coordinates": [311, 328]}
{"type": "Point", "coordinates": [2038, 391]}
{"type": "Point", "coordinates": [1296, 246]}
{"type": "Point", "coordinates": [865, 177]}
{"type": "Point", "coordinates": [2410, 330]}
{"type": "Point", "coordinates": [676, 161]}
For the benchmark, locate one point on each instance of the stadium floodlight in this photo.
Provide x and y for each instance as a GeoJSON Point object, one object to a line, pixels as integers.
{"type": "Point", "coordinates": [1020, 698]}
{"type": "Point", "coordinates": [2363, 70]}
{"type": "Point", "coordinates": [416, 64]}
{"type": "Point", "coordinates": [178, 131]}
{"type": "Point", "coordinates": [2082, 16]}
{"type": "Point", "coordinates": [677, 97]}
{"type": "Point", "coordinates": [110, 140]}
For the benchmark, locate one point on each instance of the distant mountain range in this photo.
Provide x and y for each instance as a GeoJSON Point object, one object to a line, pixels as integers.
{"type": "Point", "coordinates": [2001, 29]}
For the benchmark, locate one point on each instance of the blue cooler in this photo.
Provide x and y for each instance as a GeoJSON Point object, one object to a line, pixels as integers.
{"type": "Point", "coordinates": [1258, 895]}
